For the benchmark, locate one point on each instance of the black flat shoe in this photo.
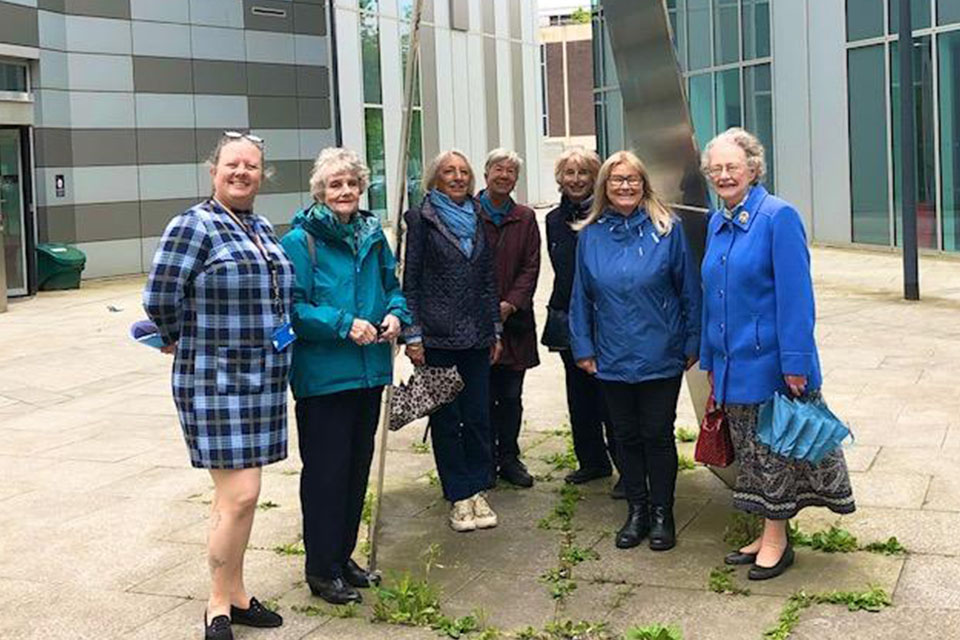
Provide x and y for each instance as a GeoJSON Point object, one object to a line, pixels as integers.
{"type": "Point", "coordinates": [218, 628]}
{"type": "Point", "coordinates": [738, 558]}
{"type": "Point", "coordinates": [586, 475]}
{"type": "Point", "coordinates": [635, 529]}
{"type": "Point", "coordinates": [357, 576]}
{"type": "Point", "coordinates": [335, 591]}
{"type": "Point", "coordinates": [765, 573]}
{"type": "Point", "coordinates": [618, 492]}
{"type": "Point", "coordinates": [256, 615]}
{"type": "Point", "coordinates": [663, 532]}
{"type": "Point", "coordinates": [516, 474]}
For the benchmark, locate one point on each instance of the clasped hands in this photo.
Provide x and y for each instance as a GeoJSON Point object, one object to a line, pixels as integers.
{"type": "Point", "coordinates": [364, 333]}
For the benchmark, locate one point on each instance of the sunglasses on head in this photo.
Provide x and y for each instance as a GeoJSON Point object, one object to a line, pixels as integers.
{"type": "Point", "coordinates": [236, 135]}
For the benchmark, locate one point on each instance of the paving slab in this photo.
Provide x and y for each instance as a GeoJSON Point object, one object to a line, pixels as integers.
{"type": "Point", "coordinates": [922, 531]}
{"type": "Point", "coordinates": [929, 582]}
{"type": "Point", "coordinates": [826, 621]}
{"type": "Point", "coordinates": [882, 489]}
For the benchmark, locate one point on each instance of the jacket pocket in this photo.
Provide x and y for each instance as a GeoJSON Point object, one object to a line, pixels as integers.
{"type": "Point", "coordinates": [240, 370]}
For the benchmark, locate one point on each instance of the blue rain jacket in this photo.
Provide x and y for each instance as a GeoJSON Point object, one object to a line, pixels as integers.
{"type": "Point", "coordinates": [758, 309]}
{"type": "Point", "coordinates": [635, 305]}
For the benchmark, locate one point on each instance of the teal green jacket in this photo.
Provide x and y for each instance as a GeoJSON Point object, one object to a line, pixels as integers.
{"type": "Point", "coordinates": [354, 277]}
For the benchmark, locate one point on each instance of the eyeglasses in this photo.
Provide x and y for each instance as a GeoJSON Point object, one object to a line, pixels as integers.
{"type": "Point", "coordinates": [619, 181]}
{"type": "Point", "coordinates": [732, 170]}
{"type": "Point", "coordinates": [236, 135]}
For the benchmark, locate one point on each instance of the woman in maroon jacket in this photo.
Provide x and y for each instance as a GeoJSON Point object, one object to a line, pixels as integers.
{"type": "Point", "coordinates": [511, 229]}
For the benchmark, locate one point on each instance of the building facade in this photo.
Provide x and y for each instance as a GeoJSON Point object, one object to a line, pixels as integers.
{"type": "Point", "coordinates": [108, 108]}
{"type": "Point", "coordinates": [818, 83]}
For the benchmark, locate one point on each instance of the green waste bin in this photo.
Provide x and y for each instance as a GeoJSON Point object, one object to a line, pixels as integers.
{"type": "Point", "coordinates": [59, 266]}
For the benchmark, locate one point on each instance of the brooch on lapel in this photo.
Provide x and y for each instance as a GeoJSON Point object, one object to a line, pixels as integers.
{"type": "Point", "coordinates": [743, 217]}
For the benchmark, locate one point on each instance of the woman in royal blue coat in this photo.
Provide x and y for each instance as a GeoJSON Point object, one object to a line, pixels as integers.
{"type": "Point", "coordinates": [758, 319]}
{"type": "Point", "coordinates": [635, 324]}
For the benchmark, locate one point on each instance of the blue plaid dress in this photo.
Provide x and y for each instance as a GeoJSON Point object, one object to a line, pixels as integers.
{"type": "Point", "coordinates": [209, 290]}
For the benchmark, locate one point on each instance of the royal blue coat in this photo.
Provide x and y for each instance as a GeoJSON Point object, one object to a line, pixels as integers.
{"type": "Point", "coordinates": [635, 305]}
{"type": "Point", "coordinates": [758, 308]}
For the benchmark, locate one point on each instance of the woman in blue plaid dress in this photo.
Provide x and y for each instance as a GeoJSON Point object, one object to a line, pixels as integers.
{"type": "Point", "coordinates": [219, 289]}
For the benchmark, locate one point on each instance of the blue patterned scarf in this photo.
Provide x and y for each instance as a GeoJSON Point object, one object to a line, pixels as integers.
{"type": "Point", "coordinates": [460, 219]}
{"type": "Point", "coordinates": [497, 214]}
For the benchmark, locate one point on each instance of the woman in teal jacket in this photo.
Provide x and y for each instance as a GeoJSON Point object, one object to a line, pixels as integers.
{"type": "Point", "coordinates": [347, 307]}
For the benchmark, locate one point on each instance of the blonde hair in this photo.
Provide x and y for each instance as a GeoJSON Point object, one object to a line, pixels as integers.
{"type": "Point", "coordinates": [663, 219]}
{"type": "Point", "coordinates": [587, 159]}
{"type": "Point", "coordinates": [751, 146]}
{"type": "Point", "coordinates": [502, 155]}
{"type": "Point", "coordinates": [433, 169]}
{"type": "Point", "coordinates": [334, 160]}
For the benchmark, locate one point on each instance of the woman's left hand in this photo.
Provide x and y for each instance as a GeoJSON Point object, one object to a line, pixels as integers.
{"type": "Point", "coordinates": [691, 360]}
{"type": "Point", "coordinates": [495, 350]}
{"type": "Point", "coordinates": [391, 328]}
{"type": "Point", "coordinates": [797, 384]}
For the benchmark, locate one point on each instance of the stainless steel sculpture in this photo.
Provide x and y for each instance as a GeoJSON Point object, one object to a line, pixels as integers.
{"type": "Point", "coordinates": [659, 129]}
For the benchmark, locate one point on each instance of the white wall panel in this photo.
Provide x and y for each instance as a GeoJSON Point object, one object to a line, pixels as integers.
{"type": "Point", "coordinates": [351, 79]}
{"type": "Point", "coordinates": [445, 91]}
{"type": "Point", "coordinates": [478, 105]}
{"type": "Point", "coordinates": [505, 94]}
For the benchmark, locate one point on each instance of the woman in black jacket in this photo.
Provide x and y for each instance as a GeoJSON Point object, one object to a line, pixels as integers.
{"type": "Point", "coordinates": [576, 172]}
{"type": "Point", "coordinates": [451, 293]}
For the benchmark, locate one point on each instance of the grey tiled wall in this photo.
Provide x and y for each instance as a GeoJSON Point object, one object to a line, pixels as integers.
{"type": "Point", "coordinates": [132, 94]}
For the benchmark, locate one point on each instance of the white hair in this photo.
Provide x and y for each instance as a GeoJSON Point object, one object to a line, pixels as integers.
{"type": "Point", "coordinates": [334, 160]}
{"type": "Point", "coordinates": [750, 144]}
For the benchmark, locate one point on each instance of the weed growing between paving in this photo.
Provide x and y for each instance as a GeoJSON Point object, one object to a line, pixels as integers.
{"type": "Point", "coordinates": [686, 435]}
{"type": "Point", "coordinates": [685, 463]}
{"type": "Point", "coordinates": [568, 630]}
{"type": "Point", "coordinates": [742, 529]}
{"type": "Point", "coordinates": [722, 581]}
{"type": "Point", "coordinates": [653, 632]}
{"type": "Point", "coordinates": [266, 506]}
{"type": "Point", "coordinates": [420, 447]}
{"type": "Point", "coordinates": [351, 610]}
{"type": "Point", "coordinates": [291, 549]}
{"type": "Point", "coordinates": [874, 599]}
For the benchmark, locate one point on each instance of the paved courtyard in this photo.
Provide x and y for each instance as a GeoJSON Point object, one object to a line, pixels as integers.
{"type": "Point", "coordinates": [103, 526]}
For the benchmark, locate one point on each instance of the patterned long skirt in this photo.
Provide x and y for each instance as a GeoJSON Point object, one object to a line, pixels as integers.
{"type": "Point", "coordinates": [776, 487]}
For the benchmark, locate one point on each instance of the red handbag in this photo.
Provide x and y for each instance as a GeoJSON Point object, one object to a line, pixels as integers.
{"type": "Point", "coordinates": [714, 446]}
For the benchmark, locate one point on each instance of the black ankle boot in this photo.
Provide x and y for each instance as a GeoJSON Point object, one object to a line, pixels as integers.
{"type": "Point", "coordinates": [635, 528]}
{"type": "Point", "coordinates": [663, 532]}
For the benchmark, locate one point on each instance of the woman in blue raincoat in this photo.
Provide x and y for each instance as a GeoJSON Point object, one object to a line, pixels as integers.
{"type": "Point", "coordinates": [635, 324]}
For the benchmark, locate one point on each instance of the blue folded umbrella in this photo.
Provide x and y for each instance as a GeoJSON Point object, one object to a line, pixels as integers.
{"type": "Point", "coordinates": [146, 332]}
{"type": "Point", "coordinates": [800, 429]}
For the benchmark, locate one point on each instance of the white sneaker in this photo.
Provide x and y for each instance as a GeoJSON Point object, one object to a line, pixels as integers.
{"type": "Point", "coordinates": [461, 516]}
{"type": "Point", "coordinates": [484, 516]}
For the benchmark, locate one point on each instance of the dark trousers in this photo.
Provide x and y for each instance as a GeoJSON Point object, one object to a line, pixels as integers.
{"type": "Point", "coordinates": [506, 412]}
{"type": "Point", "coordinates": [336, 433]}
{"type": "Point", "coordinates": [460, 431]}
{"type": "Point", "coordinates": [588, 418]}
{"type": "Point", "coordinates": [643, 415]}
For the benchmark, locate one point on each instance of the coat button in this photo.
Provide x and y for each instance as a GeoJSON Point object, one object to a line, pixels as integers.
{"type": "Point", "coordinates": [721, 293]}
{"type": "Point", "coordinates": [721, 327]}
{"type": "Point", "coordinates": [723, 259]}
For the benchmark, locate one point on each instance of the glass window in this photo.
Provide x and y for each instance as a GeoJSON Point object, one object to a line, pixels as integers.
{"type": "Point", "coordinates": [698, 34]}
{"type": "Point", "coordinates": [726, 31]}
{"type": "Point", "coordinates": [758, 114]}
{"type": "Point", "coordinates": [868, 145]}
{"type": "Point", "coordinates": [923, 105]}
{"type": "Point", "coordinates": [701, 108]}
{"type": "Point", "coordinates": [614, 117]}
{"type": "Point", "coordinates": [949, 44]}
{"type": "Point", "coordinates": [610, 78]}
{"type": "Point", "coordinates": [864, 19]}
{"type": "Point", "coordinates": [369, 5]}
{"type": "Point", "coordinates": [728, 99]}
{"type": "Point", "coordinates": [756, 29]}
{"type": "Point", "coordinates": [919, 14]}
{"type": "Point", "coordinates": [13, 77]}
{"type": "Point", "coordinates": [404, 51]}
{"type": "Point", "coordinates": [948, 11]}
{"type": "Point", "coordinates": [677, 9]}
{"type": "Point", "coordinates": [415, 161]}
{"type": "Point", "coordinates": [405, 8]}
{"type": "Point", "coordinates": [370, 57]}
{"type": "Point", "coordinates": [376, 160]}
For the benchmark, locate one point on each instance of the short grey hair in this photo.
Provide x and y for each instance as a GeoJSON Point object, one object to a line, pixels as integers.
{"type": "Point", "coordinates": [750, 144]}
{"type": "Point", "coordinates": [502, 155]}
{"type": "Point", "coordinates": [334, 160]}
{"type": "Point", "coordinates": [430, 175]}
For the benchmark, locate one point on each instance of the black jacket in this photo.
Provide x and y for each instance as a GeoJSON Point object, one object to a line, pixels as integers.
{"type": "Point", "coordinates": [453, 299]}
{"type": "Point", "coordinates": [562, 247]}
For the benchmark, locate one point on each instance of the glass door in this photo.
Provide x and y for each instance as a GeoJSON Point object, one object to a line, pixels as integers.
{"type": "Point", "coordinates": [11, 209]}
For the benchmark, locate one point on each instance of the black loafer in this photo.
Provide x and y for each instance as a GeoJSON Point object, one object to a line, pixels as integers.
{"type": "Point", "coordinates": [765, 573]}
{"type": "Point", "coordinates": [663, 532]}
{"type": "Point", "coordinates": [738, 558]}
{"type": "Point", "coordinates": [218, 628]}
{"type": "Point", "coordinates": [635, 529]}
{"type": "Point", "coordinates": [256, 615]}
{"type": "Point", "coordinates": [357, 576]}
{"type": "Point", "coordinates": [335, 591]}
{"type": "Point", "coordinates": [516, 474]}
{"type": "Point", "coordinates": [618, 492]}
{"type": "Point", "coordinates": [582, 475]}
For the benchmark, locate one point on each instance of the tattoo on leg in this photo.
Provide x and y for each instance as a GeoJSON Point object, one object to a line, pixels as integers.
{"type": "Point", "coordinates": [215, 563]}
{"type": "Point", "coordinates": [215, 518]}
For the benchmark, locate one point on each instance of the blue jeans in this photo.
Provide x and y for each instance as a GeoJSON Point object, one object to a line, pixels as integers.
{"type": "Point", "coordinates": [460, 431]}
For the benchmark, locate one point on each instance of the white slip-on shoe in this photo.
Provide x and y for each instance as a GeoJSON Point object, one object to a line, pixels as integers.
{"type": "Point", "coordinates": [485, 517]}
{"type": "Point", "coordinates": [461, 516]}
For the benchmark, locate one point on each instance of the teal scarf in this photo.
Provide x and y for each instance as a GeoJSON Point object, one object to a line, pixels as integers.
{"type": "Point", "coordinates": [460, 219]}
{"type": "Point", "coordinates": [497, 214]}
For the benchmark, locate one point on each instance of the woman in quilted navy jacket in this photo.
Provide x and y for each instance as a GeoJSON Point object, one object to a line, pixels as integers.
{"type": "Point", "coordinates": [451, 292]}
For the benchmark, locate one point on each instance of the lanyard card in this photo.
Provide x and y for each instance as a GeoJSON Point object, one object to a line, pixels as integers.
{"type": "Point", "coordinates": [283, 337]}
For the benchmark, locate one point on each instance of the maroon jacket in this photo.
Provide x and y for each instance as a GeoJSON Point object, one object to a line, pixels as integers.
{"type": "Point", "coordinates": [516, 248]}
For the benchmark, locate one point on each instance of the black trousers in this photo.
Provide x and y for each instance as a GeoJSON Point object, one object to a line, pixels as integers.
{"type": "Point", "coordinates": [336, 433]}
{"type": "Point", "coordinates": [588, 418]}
{"type": "Point", "coordinates": [506, 412]}
{"type": "Point", "coordinates": [643, 415]}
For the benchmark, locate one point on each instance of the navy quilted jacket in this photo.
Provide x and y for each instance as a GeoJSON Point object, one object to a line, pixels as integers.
{"type": "Point", "coordinates": [452, 298]}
